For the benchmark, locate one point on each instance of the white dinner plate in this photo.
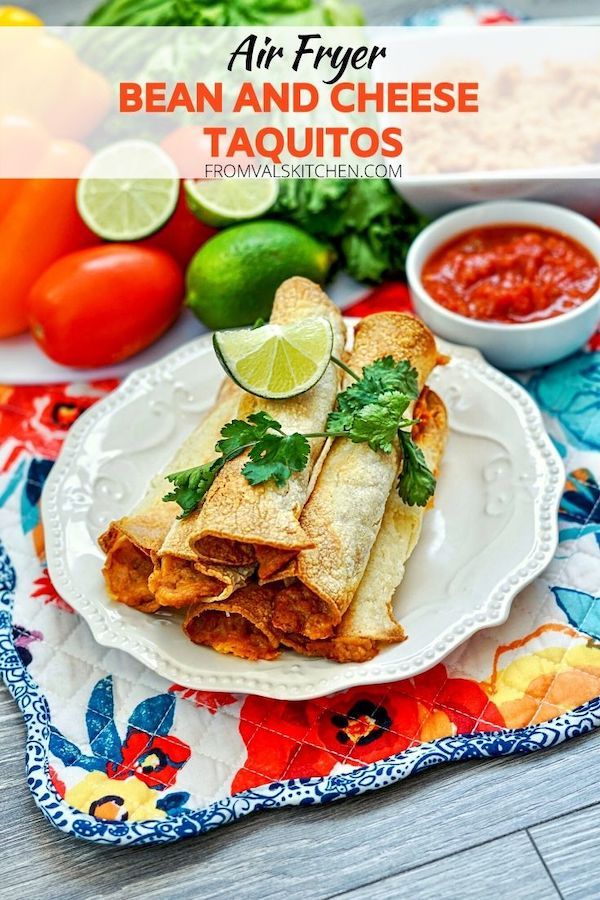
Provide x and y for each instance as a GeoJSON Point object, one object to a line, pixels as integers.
{"type": "Point", "coordinates": [493, 527]}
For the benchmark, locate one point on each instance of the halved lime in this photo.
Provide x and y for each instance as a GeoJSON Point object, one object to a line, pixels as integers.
{"type": "Point", "coordinates": [225, 201]}
{"type": "Point", "coordinates": [232, 279]}
{"type": "Point", "coordinates": [128, 190]}
{"type": "Point", "coordinates": [276, 361]}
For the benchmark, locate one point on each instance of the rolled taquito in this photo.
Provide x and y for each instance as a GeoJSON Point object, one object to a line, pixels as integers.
{"type": "Point", "coordinates": [344, 512]}
{"type": "Point", "coordinates": [369, 622]}
{"type": "Point", "coordinates": [238, 521]}
{"type": "Point", "coordinates": [243, 624]}
{"type": "Point", "coordinates": [239, 625]}
{"type": "Point", "coordinates": [132, 543]}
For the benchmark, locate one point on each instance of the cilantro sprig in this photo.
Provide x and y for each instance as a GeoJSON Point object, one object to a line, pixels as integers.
{"type": "Point", "coordinates": [273, 455]}
{"type": "Point", "coordinates": [370, 410]}
{"type": "Point", "coordinates": [416, 482]}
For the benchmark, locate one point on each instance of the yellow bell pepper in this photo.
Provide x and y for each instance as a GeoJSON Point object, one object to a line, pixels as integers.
{"type": "Point", "coordinates": [14, 15]}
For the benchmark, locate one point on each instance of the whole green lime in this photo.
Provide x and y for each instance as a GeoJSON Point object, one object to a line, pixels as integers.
{"type": "Point", "coordinates": [232, 279]}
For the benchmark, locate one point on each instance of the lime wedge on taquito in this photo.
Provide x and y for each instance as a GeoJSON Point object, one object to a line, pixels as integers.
{"type": "Point", "coordinates": [276, 361]}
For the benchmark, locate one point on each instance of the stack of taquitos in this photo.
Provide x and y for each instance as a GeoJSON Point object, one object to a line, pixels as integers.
{"type": "Point", "coordinates": [344, 512]}
{"type": "Point", "coordinates": [152, 556]}
{"type": "Point", "coordinates": [306, 600]}
{"type": "Point", "coordinates": [328, 562]}
{"type": "Point", "coordinates": [243, 625]}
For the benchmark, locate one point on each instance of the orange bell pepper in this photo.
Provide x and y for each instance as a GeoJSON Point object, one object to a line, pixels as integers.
{"type": "Point", "coordinates": [22, 145]}
{"type": "Point", "coordinates": [41, 225]}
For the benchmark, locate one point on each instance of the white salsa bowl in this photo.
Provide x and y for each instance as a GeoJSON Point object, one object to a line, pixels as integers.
{"type": "Point", "coordinates": [508, 345]}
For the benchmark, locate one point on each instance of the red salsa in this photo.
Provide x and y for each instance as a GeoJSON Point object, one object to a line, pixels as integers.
{"type": "Point", "coordinates": [511, 273]}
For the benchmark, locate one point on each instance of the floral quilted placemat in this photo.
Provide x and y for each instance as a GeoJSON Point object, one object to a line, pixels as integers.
{"type": "Point", "coordinates": [117, 755]}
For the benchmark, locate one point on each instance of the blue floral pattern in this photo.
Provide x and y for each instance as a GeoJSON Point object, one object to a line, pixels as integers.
{"type": "Point", "coordinates": [570, 393]}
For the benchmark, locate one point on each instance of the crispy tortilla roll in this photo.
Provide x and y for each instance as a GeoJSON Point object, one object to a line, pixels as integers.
{"type": "Point", "coordinates": [242, 625]}
{"type": "Point", "coordinates": [132, 543]}
{"type": "Point", "coordinates": [369, 622]}
{"type": "Point", "coordinates": [239, 626]}
{"type": "Point", "coordinates": [345, 509]}
{"type": "Point", "coordinates": [236, 518]}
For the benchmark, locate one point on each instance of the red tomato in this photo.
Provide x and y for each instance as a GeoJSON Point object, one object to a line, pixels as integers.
{"type": "Point", "coordinates": [102, 305]}
{"type": "Point", "coordinates": [182, 235]}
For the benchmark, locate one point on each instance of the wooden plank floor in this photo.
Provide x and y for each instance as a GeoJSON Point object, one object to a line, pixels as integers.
{"type": "Point", "coordinates": [570, 848]}
{"type": "Point", "coordinates": [523, 827]}
{"type": "Point", "coordinates": [478, 872]}
{"type": "Point", "coordinates": [526, 827]}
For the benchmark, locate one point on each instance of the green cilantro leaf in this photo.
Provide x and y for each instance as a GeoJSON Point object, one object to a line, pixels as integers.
{"type": "Point", "coordinates": [371, 410]}
{"type": "Point", "coordinates": [241, 433]}
{"type": "Point", "coordinates": [339, 423]}
{"type": "Point", "coordinates": [191, 485]}
{"type": "Point", "coordinates": [381, 377]}
{"type": "Point", "coordinates": [263, 421]}
{"type": "Point", "coordinates": [275, 457]}
{"type": "Point", "coordinates": [377, 423]}
{"type": "Point", "coordinates": [416, 483]}
{"type": "Point", "coordinates": [238, 435]}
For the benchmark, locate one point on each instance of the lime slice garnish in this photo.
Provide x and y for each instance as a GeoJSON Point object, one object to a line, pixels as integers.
{"type": "Point", "coordinates": [225, 201]}
{"type": "Point", "coordinates": [117, 205]}
{"type": "Point", "coordinates": [276, 361]}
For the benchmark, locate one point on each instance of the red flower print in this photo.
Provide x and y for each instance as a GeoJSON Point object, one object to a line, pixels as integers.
{"type": "Point", "coordinates": [370, 725]}
{"type": "Point", "coordinates": [204, 699]}
{"type": "Point", "coordinates": [45, 590]}
{"type": "Point", "coordinates": [281, 741]}
{"type": "Point", "coordinates": [57, 784]}
{"type": "Point", "coordinates": [154, 759]}
{"type": "Point", "coordinates": [362, 725]}
{"type": "Point", "coordinates": [35, 419]}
